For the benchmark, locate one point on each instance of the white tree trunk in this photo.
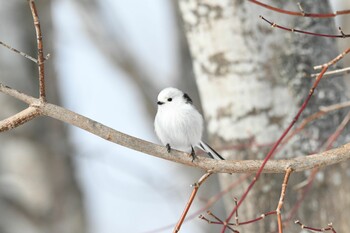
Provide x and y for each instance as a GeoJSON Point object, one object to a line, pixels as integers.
{"type": "Point", "coordinates": [251, 82]}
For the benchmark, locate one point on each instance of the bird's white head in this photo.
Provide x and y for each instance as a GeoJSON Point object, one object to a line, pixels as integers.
{"type": "Point", "coordinates": [171, 95]}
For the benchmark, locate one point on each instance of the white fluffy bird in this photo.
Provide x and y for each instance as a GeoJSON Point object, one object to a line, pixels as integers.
{"type": "Point", "coordinates": [178, 124]}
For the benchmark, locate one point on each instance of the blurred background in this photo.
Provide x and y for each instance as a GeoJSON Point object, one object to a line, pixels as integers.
{"type": "Point", "coordinates": [109, 59]}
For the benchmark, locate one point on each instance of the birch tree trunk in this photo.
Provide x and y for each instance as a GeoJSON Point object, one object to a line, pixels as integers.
{"type": "Point", "coordinates": [251, 80]}
{"type": "Point", "coordinates": [38, 191]}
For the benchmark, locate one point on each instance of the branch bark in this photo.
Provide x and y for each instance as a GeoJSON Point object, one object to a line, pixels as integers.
{"type": "Point", "coordinates": [39, 41]}
{"type": "Point", "coordinates": [215, 166]}
{"type": "Point", "coordinates": [19, 119]}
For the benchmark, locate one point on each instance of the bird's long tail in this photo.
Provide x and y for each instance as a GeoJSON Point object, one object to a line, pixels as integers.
{"type": "Point", "coordinates": [210, 151]}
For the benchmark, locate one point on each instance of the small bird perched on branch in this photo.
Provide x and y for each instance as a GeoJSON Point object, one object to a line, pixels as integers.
{"type": "Point", "coordinates": [179, 125]}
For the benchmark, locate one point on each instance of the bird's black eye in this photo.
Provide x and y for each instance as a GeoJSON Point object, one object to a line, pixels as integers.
{"type": "Point", "coordinates": [170, 99]}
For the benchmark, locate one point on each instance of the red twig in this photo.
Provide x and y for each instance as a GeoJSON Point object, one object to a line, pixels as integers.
{"type": "Point", "coordinates": [277, 211]}
{"type": "Point", "coordinates": [335, 60]}
{"type": "Point", "coordinates": [189, 203]}
{"type": "Point", "coordinates": [280, 202]}
{"type": "Point", "coordinates": [302, 12]}
{"type": "Point", "coordinates": [303, 32]}
{"type": "Point", "coordinates": [259, 218]}
{"type": "Point", "coordinates": [217, 221]}
{"type": "Point", "coordinates": [209, 203]}
{"type": "Point", "coordinates": [220, 222]}
{"type": "Point", "coordinates": [41, 58]}
{"type": "Point", "coordinates": [328, 228]}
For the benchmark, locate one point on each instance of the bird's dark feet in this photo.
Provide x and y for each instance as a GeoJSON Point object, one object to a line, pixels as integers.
{"type": "Point", "coordinates": [168, 147]}
{"type": "Point", "coordinates": [193, 154]}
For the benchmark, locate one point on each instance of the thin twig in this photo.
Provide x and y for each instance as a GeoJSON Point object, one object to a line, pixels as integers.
{"type": "Point", "coordinates": [341, 31]}
{"type": "Point", "coordinates": [301, 9]}
{"type": "Point", "coordinates": [277, 211]}
{"type": "Point", "coordinates": [281, 200]}
{"type": "Point", "coordinates": [41, 58]}
{"type": "Point", "coordinates": [209, 203]}
{"type": "Point", "coordinates": [335, 60]}
{"type": "Point", "coordinates": [275, 25]}
{"type": "Point", "coordinates": [329, 143]}
{"type": "Point", "coordinates": [335, 106]}
{"type": "Point", "coordinates": [328, 228]}
{"type": "Point", "coordinates": [189, 203]}
{"type": "Point", "coordinates": [236, 217]}
{"type": "Point", "coordinates": [302, 13]}
{"type": "Point", "coordinates": [261, 217]}
{"type": "Point", "coordinates": [19, 52]}
{"type": "Point", "coordinates": [345, 70]}
{"type": "Point", "coordinates": [323, 111]}
{"type": "Point", "coordinates": [218, 221]}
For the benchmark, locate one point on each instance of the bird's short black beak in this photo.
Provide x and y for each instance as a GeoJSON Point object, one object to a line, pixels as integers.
{"type": "Point", "coordinates": [160, 103]}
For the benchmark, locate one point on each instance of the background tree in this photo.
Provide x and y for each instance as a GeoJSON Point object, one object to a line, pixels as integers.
{"type": "Point", "coordinates": [38, 189]}
{"type": "Point", "coordinates": [251, 79]}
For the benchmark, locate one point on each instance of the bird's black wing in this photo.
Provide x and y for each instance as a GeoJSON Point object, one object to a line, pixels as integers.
{"type": "Point", "coordinates": [210, 151]}
{"type": "Point", "coordinates": [187, 98]}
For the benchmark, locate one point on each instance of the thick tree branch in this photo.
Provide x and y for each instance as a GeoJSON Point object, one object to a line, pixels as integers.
{"type": "Point", "coordinates": [215, 166]}
{"type": "Point", "coordinates": [19, 119]}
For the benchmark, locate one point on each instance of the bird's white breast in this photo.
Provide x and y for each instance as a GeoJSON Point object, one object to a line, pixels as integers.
{"type": "Point", "coordinates": [179, 125]}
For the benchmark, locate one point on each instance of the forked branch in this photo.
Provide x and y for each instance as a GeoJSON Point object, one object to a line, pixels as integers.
{"type": "Point", "coordinates": [313, 229]}
{"type": "Point", "coordinates": [275, 25]}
